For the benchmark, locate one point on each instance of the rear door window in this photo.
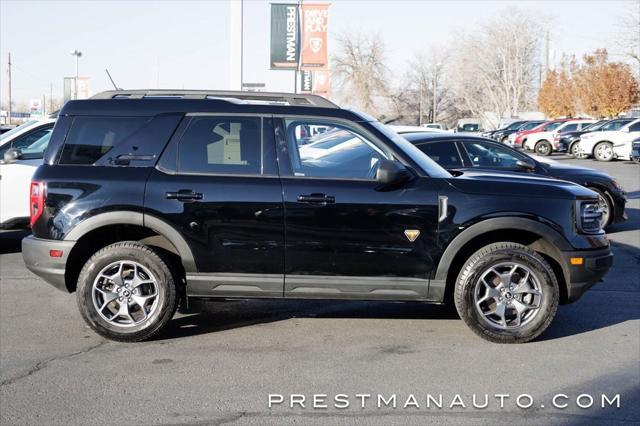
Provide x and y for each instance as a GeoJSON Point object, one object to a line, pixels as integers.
{"type": "Point", "coordinates": [221, 145]}
{"type": "Point", "coordinates": [90, 138]}
{"type": "Point", "coordinates": [444, 153]}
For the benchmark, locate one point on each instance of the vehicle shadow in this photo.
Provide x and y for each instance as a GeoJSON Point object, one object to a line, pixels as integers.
{"type": "Point", "coordinates": [631, 224]}
{"type": "Point", "coordinates": [11, 241]}
{"type": "Point", "coordinates": [217, 316]}
{"type": "Point", "coordinates": [633, 195]}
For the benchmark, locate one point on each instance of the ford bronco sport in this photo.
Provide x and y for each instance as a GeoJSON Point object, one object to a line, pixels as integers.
{"type": "Point", "coordinates": [149, 198]}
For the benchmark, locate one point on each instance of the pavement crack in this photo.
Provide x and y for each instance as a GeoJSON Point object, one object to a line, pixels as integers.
{"type": "Point", "coordinates": [44, 363]}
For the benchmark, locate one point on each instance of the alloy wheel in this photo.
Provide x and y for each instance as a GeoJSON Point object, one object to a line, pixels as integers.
{"type": "Point", "coordinates": [508, 295]}
{"type": "Point", "coordinates": [604, 152]}
{"type": "Point", "coordinates": [125, 293]}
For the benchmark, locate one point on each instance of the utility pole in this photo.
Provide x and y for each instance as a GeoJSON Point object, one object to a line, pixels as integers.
{"type": "Point", "coordinates": [77, 54]}
{"type": "Point", "coordinates": [9, 71]}
{"type": "Point", "coordinates": [50, 98]}
{"type": "Point", "coordinates": [435, 82]}
{"type": "Point", "coordinates": [546, 54]}
{"type": "Point", "coordinates": [420, 105]}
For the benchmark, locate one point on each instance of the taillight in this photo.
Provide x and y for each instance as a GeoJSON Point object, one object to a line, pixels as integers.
{"type": "Point", "coordinates": [36, 201]}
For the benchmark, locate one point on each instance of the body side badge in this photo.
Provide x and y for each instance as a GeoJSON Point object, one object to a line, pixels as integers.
{"type": "Point", "coordinates": [411, 234]}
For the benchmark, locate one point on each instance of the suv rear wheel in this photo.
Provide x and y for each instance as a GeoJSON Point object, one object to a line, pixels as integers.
{"type": "Point", "coordinates": [507, 293]}
{"type": "Point", "coordinates": [127, 292]}
{"type": "Point", "coordinates": [543, 147]}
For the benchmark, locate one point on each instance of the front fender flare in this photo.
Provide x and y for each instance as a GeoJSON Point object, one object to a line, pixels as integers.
{"type": "Point", "coordinates": [496, 224]}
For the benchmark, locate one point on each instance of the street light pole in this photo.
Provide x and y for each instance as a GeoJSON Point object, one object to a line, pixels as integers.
{"type": "Point", "coordinates": [435, 82]}
{"type": "Point", "coordinates": [420, 105]}
{"type": "Point", "coordinates": [77, 54]}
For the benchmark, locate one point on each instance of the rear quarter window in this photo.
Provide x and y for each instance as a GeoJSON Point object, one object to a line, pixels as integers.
{"type": "Point", "coordinates": [91, 138]}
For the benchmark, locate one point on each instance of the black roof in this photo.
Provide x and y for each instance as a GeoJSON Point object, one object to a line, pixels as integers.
{"type": "Point", "coordinates": [153, 102]}
{"type": "Point", "coordinates": [433, 136]}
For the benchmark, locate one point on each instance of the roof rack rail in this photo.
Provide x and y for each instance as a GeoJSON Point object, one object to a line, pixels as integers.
{"type": "Point", "coordinates": [243, 97]}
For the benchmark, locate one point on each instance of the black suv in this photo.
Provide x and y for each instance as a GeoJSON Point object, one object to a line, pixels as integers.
{"type": "Point", "coordinates": [149, 198]}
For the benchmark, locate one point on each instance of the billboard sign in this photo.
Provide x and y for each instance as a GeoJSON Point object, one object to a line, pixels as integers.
{"type": "Point", "coordinates": [307, 81]}
{"type": "Point", "coordinates": [35, 107]}
{"type": "Point", "coordinates": [315, 19]}
{"type": "Point", "coordinates": [285, 36]}
{"type": "Point", "coordinates": [322, 83]}
{"type": "Point", "coordinates": [70, 88]}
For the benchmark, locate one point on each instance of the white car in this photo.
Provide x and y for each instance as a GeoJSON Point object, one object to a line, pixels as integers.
{"type": "Point", "coordinates": [542, 143]}
{"type": "Point", "coordinates": [615, 142]}
{"type": "Point", "coordinates": [21, 152]}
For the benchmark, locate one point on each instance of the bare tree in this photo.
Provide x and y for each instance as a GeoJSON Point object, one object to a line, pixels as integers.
{"type": "Point", "coordinates": [629, 32]}
{"type": "Point", "coordinates": [427, 72]}
{"type": "Point", "coordinates": [358, 71]}
{"type": "Point", "coordinates": [495, 65]}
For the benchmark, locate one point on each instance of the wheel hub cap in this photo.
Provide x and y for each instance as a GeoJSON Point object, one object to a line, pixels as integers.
{"type": "Point", "coordinates": [125, 293]}
{"type": "Point", "coordinates": [507, 295]}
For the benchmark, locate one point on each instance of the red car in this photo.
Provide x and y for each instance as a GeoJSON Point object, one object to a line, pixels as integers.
{"type": "Point", "coordinates": [522, 136]}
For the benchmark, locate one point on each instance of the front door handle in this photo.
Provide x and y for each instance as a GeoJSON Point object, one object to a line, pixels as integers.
{"type": "Point", "coordinates": [319, 199]}
{"type": "Point", "coordinates": [184, 195]}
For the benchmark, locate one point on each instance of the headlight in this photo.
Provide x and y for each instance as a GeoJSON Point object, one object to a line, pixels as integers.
{"type": "Point", "coordinates": [616, 184]}
{"type": "Point", "coordinates": [588, 216]}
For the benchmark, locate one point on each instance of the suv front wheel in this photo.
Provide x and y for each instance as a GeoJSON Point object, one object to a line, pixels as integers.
{"type": "Point", "coordinates": [507, 293]}
{"type": "Point", "coordinates": [127, 292]}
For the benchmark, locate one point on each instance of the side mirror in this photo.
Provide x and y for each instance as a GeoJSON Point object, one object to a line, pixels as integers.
{"type": "Point", "coordinates": [12, 155]}
{"type": "Point", "coordinates": [525, 165]}
{"type": "Point", "coordinates": [625, 129]}
{"type": "Point", "coordinates": [392, 173]}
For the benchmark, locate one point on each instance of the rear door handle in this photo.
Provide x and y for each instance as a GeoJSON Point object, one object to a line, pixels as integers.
{"type": "Point", "coordinates": [184, 195]}
{"type": "Point", "coordinates": [320, 199]}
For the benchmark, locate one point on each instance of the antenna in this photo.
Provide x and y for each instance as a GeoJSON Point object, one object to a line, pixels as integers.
{"type": "Point", "coordinates": [112, 82]}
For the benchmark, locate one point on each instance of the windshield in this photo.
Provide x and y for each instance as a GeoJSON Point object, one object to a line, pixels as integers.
{"type": "Point", "coordinates": [17, 129]}
{"type": "Point", "coordinates": [514, 126]}
{"type": "Point", "coordinates": [594, 126]}
{"type": "Point", "coordinates": [553, 126]}
{"type": "Point", "coordinates": [616, 124]}
{"type": "Point", "coordinates": [432, 168]}
{"type": "Point", "coordinates": [38, 146]}
{"type": "Point", "coordinates": [531, 125]}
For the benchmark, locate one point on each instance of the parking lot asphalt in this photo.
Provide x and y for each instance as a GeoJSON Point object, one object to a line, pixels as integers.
{"type": "Point", "coordinates": [219, 366]}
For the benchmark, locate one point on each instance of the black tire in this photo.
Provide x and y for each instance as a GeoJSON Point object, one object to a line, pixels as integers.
{"type": "Point", "coordinates": [609, 204]}
{"type": "Point", "coordinates": [163, 309]}
{"type": "Point", "coordinates": [494, 255]}
{"type": "Point", "coordinates": [598, 151]}
{"type": "Point", "coordinates": [543, 148]}
{"type": "Point", "coordinates": [573, 150]}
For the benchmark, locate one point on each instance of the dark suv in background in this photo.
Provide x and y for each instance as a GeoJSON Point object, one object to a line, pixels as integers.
{"type": "Point", "coordinates": [465, 153]}
{"type": "Point", "coordinates": [149, 198]}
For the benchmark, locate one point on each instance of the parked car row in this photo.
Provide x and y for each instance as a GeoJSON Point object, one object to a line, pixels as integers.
{"type": "Point", "coordinates": [603, 140]}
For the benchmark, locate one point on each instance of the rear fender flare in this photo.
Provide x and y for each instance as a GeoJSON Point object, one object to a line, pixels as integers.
{"type": "Point", "coordinates": [136, 218]}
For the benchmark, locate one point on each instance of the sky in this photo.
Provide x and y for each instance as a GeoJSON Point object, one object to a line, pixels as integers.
{"type": "Point", "coordinates": [186, 44]}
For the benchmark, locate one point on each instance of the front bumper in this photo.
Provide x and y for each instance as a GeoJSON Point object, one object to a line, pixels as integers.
{"type": "Point", "coordinates": [37, 258]}
{"type": "Point", "coordinates": [580, 278]}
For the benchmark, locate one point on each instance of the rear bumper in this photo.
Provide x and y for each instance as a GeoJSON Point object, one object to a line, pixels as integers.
{"type": "Point", "coordinates": [37, 258]}
{"type": "Point", "coordinates": [581, 278]}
